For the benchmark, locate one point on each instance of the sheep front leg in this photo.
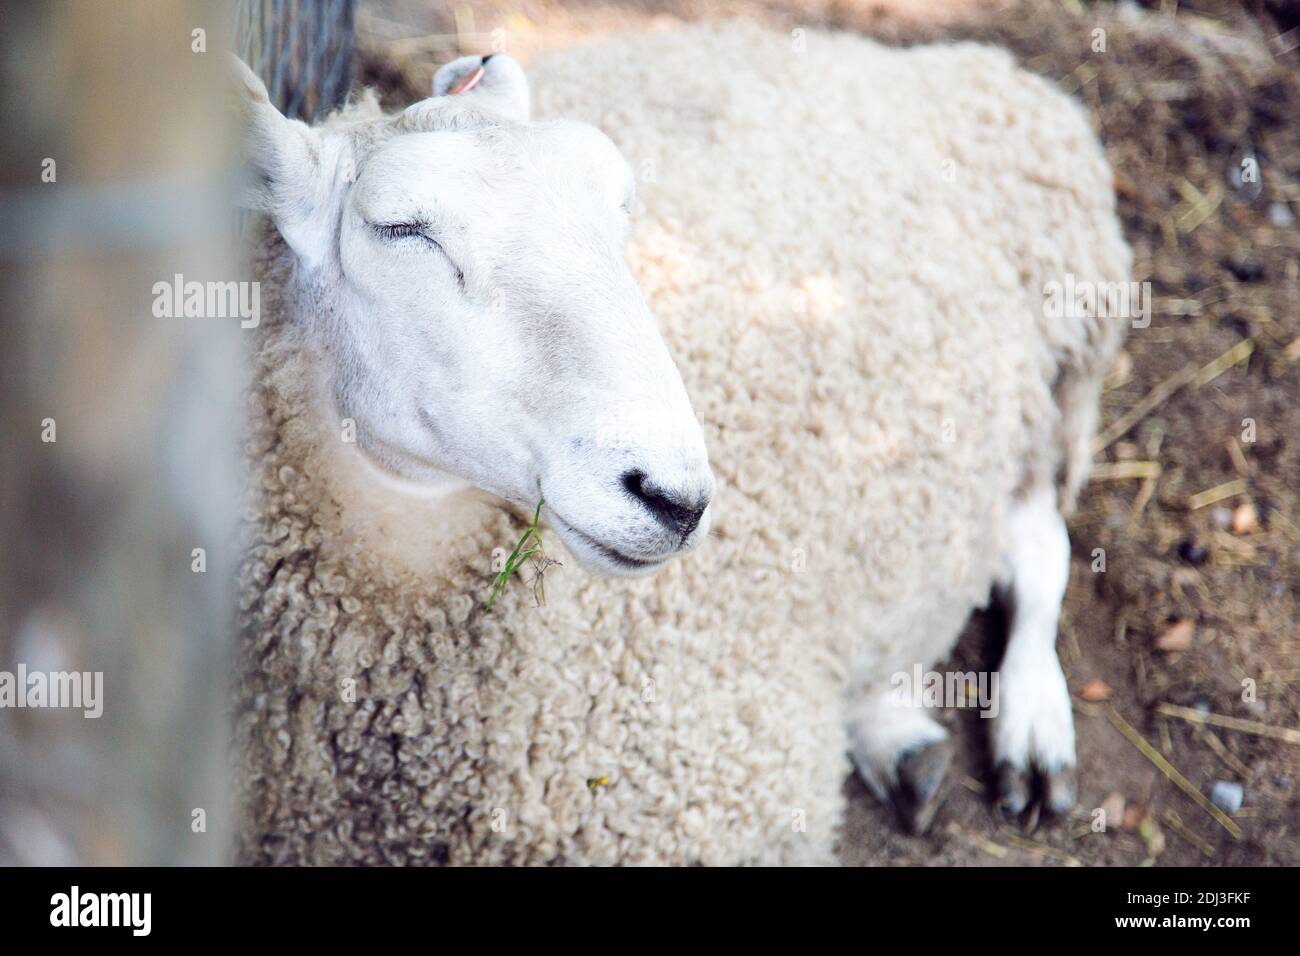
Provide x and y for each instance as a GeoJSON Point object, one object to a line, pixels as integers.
{"type": "Point", "coordinates": [901, 754]}
{"type": "Point", "coordinates": [1033, 733]}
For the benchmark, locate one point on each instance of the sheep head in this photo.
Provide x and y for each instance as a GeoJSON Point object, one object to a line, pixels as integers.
{"type": "Point", "coordinates": [462, 269]}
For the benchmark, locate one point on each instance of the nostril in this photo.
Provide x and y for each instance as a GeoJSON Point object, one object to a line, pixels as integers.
{"type": "Point", "coordinates": [633, 483]}
{"type": "Point", "coordinates": [675, 511]}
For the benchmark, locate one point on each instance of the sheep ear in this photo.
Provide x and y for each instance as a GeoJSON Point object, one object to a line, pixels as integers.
{"type": "Point", "coordinates": [283, 174]}
{"type": "Point", "coordinates": [495, 83]}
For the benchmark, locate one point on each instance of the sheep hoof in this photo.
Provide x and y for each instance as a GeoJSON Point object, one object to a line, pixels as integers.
{"type": "Point", "coordinates": [1015, 791]}
{"type": "Point", "coordinates": [1012, 790]}
{"type": "Point", "coordinates": [1060, 791]}
{"type": "Point", "coordinates": [919, 790]}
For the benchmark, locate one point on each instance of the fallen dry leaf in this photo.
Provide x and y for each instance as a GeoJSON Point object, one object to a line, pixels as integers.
{"type": "Point", "coordinates": [1245, 519]}
{"type": "Point", "coordinates": [1151, 834]}
{"type": "Point", "coordinates": [1178, 637]}
{"type": "Point", "coordinates": [1095, 690]}
{"type": "Point", "coordinates": [1113, 807]}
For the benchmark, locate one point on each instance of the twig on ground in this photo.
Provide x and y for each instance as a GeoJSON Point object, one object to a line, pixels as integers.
{"type": "Point", "coordinates": [996, 850]}
{"type": "Point", "coordinates": [1223, 753]}
{"type": "Point", "coordinates": [1188, 375]}
{"type": "Point", "coordinates": [1176, 824]}
{"type": "Point", "coordinates": [1170, 771]}
{"type": "Point", "coordinates": [1033, 846]}
{"type": "Point", "coordinates": [1228, 489]}
{"type": "Point", "coordinates": [1119, 470]}
{"type": "Point", "coordinates": [1284, 734]}
{"type": "Point", "coordinates": [1234, 356]}
{"type": "Point", "coordinates": [1153, 400]}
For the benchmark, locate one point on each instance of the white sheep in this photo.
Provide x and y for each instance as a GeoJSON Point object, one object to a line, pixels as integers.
{"type": "Point", "coordinates": [844, 248]}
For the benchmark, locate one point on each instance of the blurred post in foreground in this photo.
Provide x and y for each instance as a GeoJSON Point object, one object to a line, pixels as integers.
{"type": "Point", "coordinates": [118, 432]}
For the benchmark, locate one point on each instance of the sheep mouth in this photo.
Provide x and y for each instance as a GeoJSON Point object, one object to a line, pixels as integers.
{"type": "Point", "coordinates": [625, 562]}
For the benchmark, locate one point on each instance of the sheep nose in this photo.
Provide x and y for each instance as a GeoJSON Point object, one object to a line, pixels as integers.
{"type": "Point", "coordinates": [679, 512]}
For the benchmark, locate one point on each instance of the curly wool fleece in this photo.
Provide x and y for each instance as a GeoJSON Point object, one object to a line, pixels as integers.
{"type": "Point", "coordinates": [846, 250]}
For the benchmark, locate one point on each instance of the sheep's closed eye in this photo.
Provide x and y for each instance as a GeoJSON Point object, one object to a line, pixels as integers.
{"type": "Point", "coordinates": [395, 231]}
{"type": "Point", "coordinates": [400, 230]}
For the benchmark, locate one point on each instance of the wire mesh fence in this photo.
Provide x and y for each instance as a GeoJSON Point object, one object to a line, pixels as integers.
{"type": "Point", "coordinates": [302, 50]}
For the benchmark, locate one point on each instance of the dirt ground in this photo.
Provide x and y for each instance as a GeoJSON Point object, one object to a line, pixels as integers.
{"type": "Point", "coordinates": [1195, 505]}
